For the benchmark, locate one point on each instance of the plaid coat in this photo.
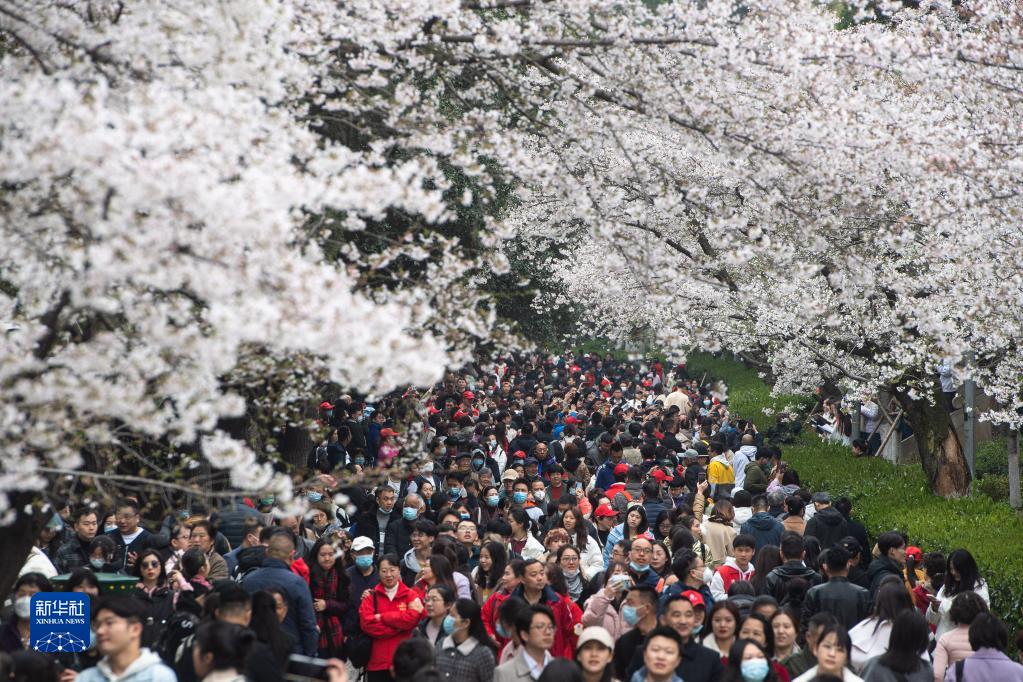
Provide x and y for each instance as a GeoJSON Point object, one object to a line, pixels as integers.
{"type": "Point", "coordinates": [329, 620]}
{"type": "Point", "coordinates": [469, 661]}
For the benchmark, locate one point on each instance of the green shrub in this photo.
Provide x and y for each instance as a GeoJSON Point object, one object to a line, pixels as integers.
{"type": "Point", "coordinates": [887, 497]}
{"type": "Point", "coordinates": [992, 458]}
{"type": "Point", "coordinates": [994, 486]}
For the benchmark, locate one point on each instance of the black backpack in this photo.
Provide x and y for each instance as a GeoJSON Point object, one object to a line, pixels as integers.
{"type": "Point", "coordinates": [359, 645]}
{"type": "Point", "coordinates": [179, 627]}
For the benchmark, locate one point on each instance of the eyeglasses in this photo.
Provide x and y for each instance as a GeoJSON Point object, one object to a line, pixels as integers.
{"type": "Point", "coordinates": [151, 564]}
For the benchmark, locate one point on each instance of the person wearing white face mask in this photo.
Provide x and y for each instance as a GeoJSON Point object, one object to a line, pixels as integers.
{"type": "Point", "coordinates": [14, 635]}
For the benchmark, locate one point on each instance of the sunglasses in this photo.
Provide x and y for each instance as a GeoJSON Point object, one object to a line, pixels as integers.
{"type": "Point", "coordinates": [151, 564]}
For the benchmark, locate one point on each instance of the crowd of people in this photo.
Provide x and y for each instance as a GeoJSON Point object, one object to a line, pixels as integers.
{"type": "Point", "coordinates": [571, 518]}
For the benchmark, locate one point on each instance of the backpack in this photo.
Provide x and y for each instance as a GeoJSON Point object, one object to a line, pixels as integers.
{"type": "Point", "coordinates": [179, 627]}
{"type": "Point", "coordinates": [358, 645]}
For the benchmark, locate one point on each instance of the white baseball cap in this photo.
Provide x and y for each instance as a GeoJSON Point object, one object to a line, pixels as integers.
{"type": "Point", "coordinates": [595, 633]}
{"type": "Point", "coordinates": [361, 543]}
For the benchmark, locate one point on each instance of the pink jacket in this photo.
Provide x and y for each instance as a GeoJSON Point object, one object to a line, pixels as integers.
{"type": "Point", "coordinates": [600, 611]}
{"type": "Point", "coordinates": [953, 646]}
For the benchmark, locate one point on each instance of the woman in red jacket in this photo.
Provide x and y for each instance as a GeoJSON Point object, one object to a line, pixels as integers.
{"type": "Point", "coordinates": [389, 615]}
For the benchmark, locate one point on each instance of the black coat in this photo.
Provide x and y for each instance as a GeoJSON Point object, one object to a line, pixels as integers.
{"type": "Point", "coordinates": [848, 602]}
{"type": "Point", "coordinates": [778, 579]}
{"type": "Point", "coordinates": [699, 664]}
{"type": "Point", "coordinates": [138, 545]}
{"type": "Point", "coordinates": [879, 569]}
{"type": "Point", "coordinates": [399, 537]}
{"type": "Point", "coordinates": [828, 525]}
{"type": "Point", "coordinates": [367, 525]}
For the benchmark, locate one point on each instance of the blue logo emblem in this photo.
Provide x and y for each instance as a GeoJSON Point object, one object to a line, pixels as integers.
{"type": "Point", "coordinates": [59, 622]}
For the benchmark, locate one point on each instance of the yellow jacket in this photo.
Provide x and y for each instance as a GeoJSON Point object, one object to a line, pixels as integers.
{"type": "Point", "coordinates": [720, 471]}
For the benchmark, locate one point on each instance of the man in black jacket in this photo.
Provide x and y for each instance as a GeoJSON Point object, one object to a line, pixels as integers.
{"type": "Point", "coordinates": [129, 537]}
{"type": "Point", "coordinates": [644, 600]}
{"type": "Point", "coordinates": [827, 525]}
{"type": "Point", "coordinates": [891, 561]}
{"type": "Point", "coordinates": [856, 530]}
{"type": "Point", "coordinates": [849, 603]}
{"type": "Point", "coordinates": [792, 553]}
{"type": "Point", "coordinates": [524, 441]}
{"type": "Point", "coordinates": [373, 524]}
{"type": "Point", "coordinates": [74, 552]}
{"type": "Point", "coordinates": [699, 664]}
{"type": "Point", "coordinates": [398, 540]}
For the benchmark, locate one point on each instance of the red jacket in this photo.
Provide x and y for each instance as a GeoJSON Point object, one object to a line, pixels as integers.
{"type": "Point", "coordinates": [299, 568]}
{"type": "Point", "coordinates": [567, 616]}
{"type": "Point", "coordinates": [395, 624]}
{"type": "Point", "coordinates": [489, 614]}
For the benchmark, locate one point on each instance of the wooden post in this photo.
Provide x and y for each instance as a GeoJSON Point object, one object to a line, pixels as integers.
{"type": "Point", "coordinates": [1013, 448]}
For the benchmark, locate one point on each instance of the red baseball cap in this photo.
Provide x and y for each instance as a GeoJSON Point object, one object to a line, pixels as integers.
{"type": "Point", "coordinates": [915, 553]}
{"type": "Point", "coordinates": [384, 433]}
{"type": "Point", "coordinates": [468, 394]}
{"type": "Point", "coordinates": [694, 598]}
{"type": "Point", "coordinates": [571, 420]}
{"type": "Point", "coordinates": [605, 510]}
{"type": "Point", "coordinates": [621, 469]}
{"type": "Point", "coordinates": [661, 475]}
{"type": "Point", "coordinates": [519, 454]}
{"type": "Point", "coordinates": [326, 406]}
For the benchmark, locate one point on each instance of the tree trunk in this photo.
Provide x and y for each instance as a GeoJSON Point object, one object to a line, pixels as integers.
{"type": "Point", "coordinates": [1013, 452]}
{"type": "Point", "coordinates": [16, 539]}
{"type": "Point", "coordinates": [941, 452]}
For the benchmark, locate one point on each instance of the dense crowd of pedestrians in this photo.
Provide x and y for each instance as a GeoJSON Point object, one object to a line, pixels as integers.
{"type": "Point", "coordinates": [571, 518]}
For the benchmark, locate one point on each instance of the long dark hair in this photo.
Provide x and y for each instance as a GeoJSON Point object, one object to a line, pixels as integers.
{"type": "Point", "coordinates": [641, 528]}
{"type": "Point", "coordinates": [581, 536]}
{"type": "Point", "coordinates": [470, 610]}
{"type": "Point", "coordinates": [228, 642]}
{"type": "Point", "coordinates": [489, 580]}
{"type": "Point", "coordinates": [768, 559]}
{"type": "Point", "coordinates": [161, 580]}
{"type": "Point", "coordinates": [733, 671]}
{"type": "Point", "coordinates": [892, 599]}
{"type": "Point", "coordinates": [266, 626]}
{"type": "Point", "coordinates": [321, 578]}
{"type": "Point", "coordinates": [969, 574]}
{"type": "Point", "coordinates": [768, 630]}
{"type": "Point", "coordinates": [608, 669]}
{"type": "Point", "coordinates": [909, 639]}
{"type": "Point", "coordinates": [563, 670]}
{"type": "Point", "coordinates": [443, 574]}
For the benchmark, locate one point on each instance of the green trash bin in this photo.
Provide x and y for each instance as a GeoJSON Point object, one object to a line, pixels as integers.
{"type": "Point", "coordinates": [109, 583]}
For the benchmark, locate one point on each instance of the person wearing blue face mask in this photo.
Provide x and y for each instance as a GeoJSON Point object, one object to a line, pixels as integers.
{"type": "Point", "coordinates": [467, 652]}
{"type": "Point", "coordinates": [748, 662]}
{"type": "Point", "coordinates": [398, 539]}
{"type": "Point", "coordinates": [520, 493]}
{"type": "Point", "coordinates": [639, 616]}
{"type": "Point", "coordinates": [362, 578]}
{"type": "Point", "coordinates": [455, 489]}
{"type": "Point", "coordinates": [640, 552]}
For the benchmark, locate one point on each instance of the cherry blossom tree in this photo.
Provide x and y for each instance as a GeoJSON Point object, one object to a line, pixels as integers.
{"type": "Point", "coordinates": [835, 205]}
{"type": "Point", "coordinates": [192, 188]}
